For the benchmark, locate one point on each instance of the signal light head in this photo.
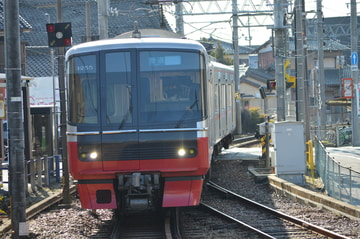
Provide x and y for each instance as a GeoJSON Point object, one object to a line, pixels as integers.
{"type": "Point", "coordinates": [67, 41]}
{"type": "Point", "coordinates": [59, 34]}
{"type": "Point", "coordinates": [271, 84]}
{"type": "Point", "coordinates": [50, 27]}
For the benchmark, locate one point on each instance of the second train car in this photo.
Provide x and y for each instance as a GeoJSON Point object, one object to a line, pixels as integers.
{"type": "Point", "coordinates": [145, 118]}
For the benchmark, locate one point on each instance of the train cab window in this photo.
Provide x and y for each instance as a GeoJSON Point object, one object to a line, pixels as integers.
{"type": "Point", "coordinates": [170, 84]}
{"type": "Point", "coordinates": [83, 89]}
{"type": "Point", "coordinates": [118, 88]}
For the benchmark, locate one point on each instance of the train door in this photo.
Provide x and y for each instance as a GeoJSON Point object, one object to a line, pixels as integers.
{"type": "Point", "coordinates": [223, 109]}
{"type": "Point", "coordinates": [230, 105]}
{"type": "Point", "coordinates": [217, 110]}
{"type": "Point", "coordinates": [119, 122]}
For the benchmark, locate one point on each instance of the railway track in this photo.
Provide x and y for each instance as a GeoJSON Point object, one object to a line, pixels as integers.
{"type": "Point", "coordinates": [244, 141]}
{"type": "Point", "coordinates": [160, 225]}
{"type": "Point", "coordinates": [262, 220]}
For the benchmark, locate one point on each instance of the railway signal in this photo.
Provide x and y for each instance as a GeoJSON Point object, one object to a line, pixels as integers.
{"type": "Point", "coordinates": [262, 92]}
{"type": "Point", "coordinates": [59, 34]}
{"type": "Point", "coordinates": [271, 84]}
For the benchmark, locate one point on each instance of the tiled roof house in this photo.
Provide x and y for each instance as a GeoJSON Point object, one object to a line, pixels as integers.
{"type": "Point", "coordinates": [38, 13]}
{"type": "Point", "coordinates": [24, 27]}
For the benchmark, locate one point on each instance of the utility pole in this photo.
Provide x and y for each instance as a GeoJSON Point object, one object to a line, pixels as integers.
{"type": "Point", "coordinates": [236, 66]}
{"type": "Point", "coordinates": [321, 73]}
{"type": "Point", "coordinates": [279, 51]}
{"type": "Point", "coordinates": [88, 21]}
{"type": "Point", "coordinates": [355, 104]}
{"type": "Point", "coordinates": [180, 30]}
{"type": "Point", "coordinates": [15, 119]}
{"type": "Point", "coordinates": [301, 87]}
{"type": "Point", "coordinates": [103, 7]}
{"type": "Point", "coordinates": [179, 18]}
{"type": "Point", "coordinates": [61, 50]}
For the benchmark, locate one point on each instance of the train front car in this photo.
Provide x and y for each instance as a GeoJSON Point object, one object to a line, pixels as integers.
{"type": "Point", "coordinates": [137, 122]}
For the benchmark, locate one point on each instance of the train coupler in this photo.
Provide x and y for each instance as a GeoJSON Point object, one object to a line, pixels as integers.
{"type": "Point", "coordinates": [139, 190]}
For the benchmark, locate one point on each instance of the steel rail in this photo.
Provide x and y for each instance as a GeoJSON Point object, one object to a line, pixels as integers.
{"type": "Point", "coordinates": [292, 219]}
{"type": "Point", "coordinates": [244, 141]}
{"type": "Point", "coordinates": [214, 210]}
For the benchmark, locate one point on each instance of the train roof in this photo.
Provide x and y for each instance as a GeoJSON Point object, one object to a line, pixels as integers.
{"type": "Point", "coordinates": [137, 43]}
{"type": "Point", "coordinates": [222, 66]}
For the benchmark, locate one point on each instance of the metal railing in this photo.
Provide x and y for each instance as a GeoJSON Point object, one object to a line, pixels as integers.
{"type": "Point", "coordinates": [337, 135]}
{"type": "Point", "coordinates": [340, 182]}
{"type": "Point", "coordinates": [40, 172]}
{"type": "Point", "coordinates": [43, 171]}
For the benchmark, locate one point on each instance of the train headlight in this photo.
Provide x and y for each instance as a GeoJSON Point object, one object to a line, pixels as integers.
{"type": "Point", "coordinates": [93, 155]}
{"type": "Point", "coordinates": [186, 152]}
{"type": "Point", "coordinates": [181, 152]}
{"type": "Point", "coordinates": [89, 155]}
{"type": "Point", "coordinates": [192, 151]}
{"type": "Point", "coordinates": [83, 155]}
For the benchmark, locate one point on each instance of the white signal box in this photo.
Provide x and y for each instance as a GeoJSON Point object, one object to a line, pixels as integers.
{"type": "Point", "coordinates": [289, 151]}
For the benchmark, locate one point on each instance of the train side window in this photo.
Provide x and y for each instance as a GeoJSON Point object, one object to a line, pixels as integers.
{"type": "Point", "coordinates": [223, 97]}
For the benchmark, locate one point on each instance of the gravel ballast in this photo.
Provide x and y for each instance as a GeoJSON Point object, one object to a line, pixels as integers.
{"type": "Point", "coordinates": [232, 174]}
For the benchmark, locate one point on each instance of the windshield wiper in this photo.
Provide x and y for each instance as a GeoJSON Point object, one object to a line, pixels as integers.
{"type": "Point", "coordinates": [130, 110]}
{"type": "Point", "coordinates": [196, 102]}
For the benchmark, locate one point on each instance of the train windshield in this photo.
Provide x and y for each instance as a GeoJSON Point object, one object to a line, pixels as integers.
{"type": "Point", "coordinates": [147, 88]}
{"type": "Point", "coordinates": [170, 84]}
{"type": "Point", "coordinates": [83, 89]}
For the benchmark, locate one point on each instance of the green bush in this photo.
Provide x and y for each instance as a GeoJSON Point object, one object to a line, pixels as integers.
{"type": "Point", "coordinates": [250, 118]}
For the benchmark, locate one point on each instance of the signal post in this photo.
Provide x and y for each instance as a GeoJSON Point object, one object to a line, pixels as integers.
{"type": "Point", "coordinates": [355, 103]}
{"type": "Point", "coordinates": [59, 35]}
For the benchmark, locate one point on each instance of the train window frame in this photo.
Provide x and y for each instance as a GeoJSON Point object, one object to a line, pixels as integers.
{"type": "Point", "coordinates": [77, 98]}
{"type": "Point", "coordinates": [117, 83]}
{"type": "Point", "coordinates": [158, 80]}
{"type": "Point", "coordinates": [204, 66]}
{"type": "Point", "coordinates": [197, 74]}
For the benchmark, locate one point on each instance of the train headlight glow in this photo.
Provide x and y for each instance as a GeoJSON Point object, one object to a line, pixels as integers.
{"type": "Point", "coordinates": [89, 155]}
{"type": "Point", "coordinates": [186, 152]}
{"type": "Point", "coordinates": [93, 155]}
{"type": "Point", "coordinates": [181, 152]}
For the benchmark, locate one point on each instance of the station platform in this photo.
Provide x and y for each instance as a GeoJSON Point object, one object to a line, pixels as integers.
{"type": "Point", "coordinates": [348, 157]}
{"type": "Point", "coordinates": [244, 154]}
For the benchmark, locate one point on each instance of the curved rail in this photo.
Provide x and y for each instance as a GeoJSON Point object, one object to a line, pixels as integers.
{"type": "Point", "coordinates": [261, 233]}
{"type": "Point", "coordinates": [279, 214]}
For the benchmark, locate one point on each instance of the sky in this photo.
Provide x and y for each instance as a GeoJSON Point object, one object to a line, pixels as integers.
{"type": "Point", "coordinates": [221, 24]}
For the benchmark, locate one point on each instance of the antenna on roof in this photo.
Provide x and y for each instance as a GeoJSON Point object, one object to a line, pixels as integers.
{"type": "Point", "coordinates": [136, 33]}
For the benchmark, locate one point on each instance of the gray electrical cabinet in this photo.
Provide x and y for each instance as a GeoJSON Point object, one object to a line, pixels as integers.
{"type": "Point", "coordinates": [289, 151]}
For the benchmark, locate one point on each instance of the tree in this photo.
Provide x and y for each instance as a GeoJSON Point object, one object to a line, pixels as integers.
{"type": "Point", "coordinates": [221, 55]}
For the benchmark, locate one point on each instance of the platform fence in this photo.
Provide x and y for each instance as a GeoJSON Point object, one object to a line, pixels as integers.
{"type": "Point", "coordinates": [40, 172]}
{"type": "Point", "coordinates": [340, 182]}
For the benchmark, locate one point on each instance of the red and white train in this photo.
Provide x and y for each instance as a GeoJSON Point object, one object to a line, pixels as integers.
{"type": "Point", "coordinates": [145, 118]}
